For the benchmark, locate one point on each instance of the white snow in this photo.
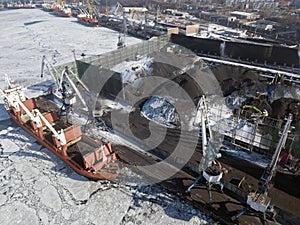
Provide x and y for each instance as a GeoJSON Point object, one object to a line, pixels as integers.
{"type": "Point", "coordinates": [252, 157]}
{"type": "Point", "coordinates": [235, 102]}
{"type": "Point", "coordinates": [18, 213]}
{"type": "Point", "coordinates": [36, 187]}
{"type": "Point", "coordinates": [50, 198]}
{"type": "Point", "coordinates": [160, 111]}
{"type": "Point", "coordinates": [132, 70]}
{"type": "Point", "coordinates": [27, 35]}
{"type": "Point", "coordinates": [286, 92]}
{"type": "Point", "coordinates": [108, 105]}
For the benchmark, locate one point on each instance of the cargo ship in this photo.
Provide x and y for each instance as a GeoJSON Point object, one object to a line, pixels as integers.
{"type": "Point", "coordinates": [88, 15]}
{"type": "Point", "coordinates": [40, 117]}
{"type": "Point", "coordinates": [47, 7]}
{"type": "Point", "coordinates": [61, 10]}
{"type": "Point", "coordinates": [88, 20]}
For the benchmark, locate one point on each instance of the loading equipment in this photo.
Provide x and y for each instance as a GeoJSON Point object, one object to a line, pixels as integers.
{"type": "Point", "coordinates": [259, 199]}
{"type": "Point", "coordinates": [210, 169]}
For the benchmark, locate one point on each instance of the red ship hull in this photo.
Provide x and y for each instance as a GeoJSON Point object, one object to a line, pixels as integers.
{"type": "Point", "coordinates": [85, 156]}
{"type": "Point", "coordinates": [62, 12]}
{"type": "Point", "coordinates": [92, 22]}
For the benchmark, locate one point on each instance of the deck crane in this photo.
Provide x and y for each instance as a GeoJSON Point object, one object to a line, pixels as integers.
{"type": "Point", "coordinates": [15, 97]}
{"type": "Point", "coordinates": [61, 85]}
{"type": "Point", "coordinates": [118, 8]}
{"type": "Point", "coordinates": [122, 34]}
{"type": "Point", "coordinates": [92, 12]}
{"type": "Point", "coordinates": [259, 200]}
{"type": "Point", "coordinates": [210, 170]}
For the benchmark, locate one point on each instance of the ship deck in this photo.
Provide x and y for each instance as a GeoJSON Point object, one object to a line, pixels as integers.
{"type": "Point", "coordinates": [76, 151]}
{"type": "Point", "coordinates": [83, 147]}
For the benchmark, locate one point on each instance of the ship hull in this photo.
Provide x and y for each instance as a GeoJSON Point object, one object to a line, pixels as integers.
{"type": "Point", "coordinates": [88, 22]}
{"type": "Point", "coordinates": [62, 12]}
{"type": "Point", "coordinates": [110, 171]}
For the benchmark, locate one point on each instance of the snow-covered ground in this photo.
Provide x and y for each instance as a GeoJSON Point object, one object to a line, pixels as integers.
{"type": "Point", "coordinates": [132, 70]}
{"type": "Point", "coordinates": [36, 187]}
{"type": "Point", "coordinates": [252, 157]}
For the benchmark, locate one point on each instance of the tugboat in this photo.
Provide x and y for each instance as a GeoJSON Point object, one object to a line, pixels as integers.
{"type": "Point", "coordinates": [42, 118]}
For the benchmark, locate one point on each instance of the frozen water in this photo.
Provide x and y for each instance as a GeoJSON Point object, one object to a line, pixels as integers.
{"type": "Point", "coordinates": [18, 213]}
{"type": "Point", "coordinates": [3, 114]}
{"type": "Point", "coordinates": [50, 198]}
{"type": "Point", "coordinates": [27, 35]}
{"type": "Point", "coordinates": [38, 183]}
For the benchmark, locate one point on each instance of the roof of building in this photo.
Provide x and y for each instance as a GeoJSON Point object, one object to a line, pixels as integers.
{"type": "Point", "coordinates": [242, 13]}
{"type": "Point", "coordinates": [136, 9]}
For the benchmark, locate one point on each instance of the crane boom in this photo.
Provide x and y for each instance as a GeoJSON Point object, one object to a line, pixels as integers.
{"type": "Point", "coordinates": [50, 68]}
{"type": "Point", "coordinates": [65, 73]}
{"type": "Point", "coordinates": [209, 153]}
{"type": "Point", "coordinates": [13, 98]}
{"type": "Point", "coordinates": [270, 170]}
{"type": "Point", "coordinates": [259, 199]}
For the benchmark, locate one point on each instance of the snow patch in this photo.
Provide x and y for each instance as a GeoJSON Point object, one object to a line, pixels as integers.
{"type": "Point", "coordinates": [252, 157]}
{"type": "Point", "coordinates": [18, 213]}
{"type": "Point", "coordinates": [235, 102]}
{"type": "Point", "coordinates": [50, 198]}
{"type": "Point", "coordinates": [107, 105]}
{"type": "Point", "coordinates": [8, 147]}
{"type": "Point", "coordinates": [161, 111]}
{"type": "Point", "coordinates": [132, 70]}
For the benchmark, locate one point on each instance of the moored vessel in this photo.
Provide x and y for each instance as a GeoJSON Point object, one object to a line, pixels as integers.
{"type": "Point", "coordinates": [41, 118]}
{"type": "Point", "coordinates": [62, 10]}
{"type": "Point", "coordinates": [88, 20]}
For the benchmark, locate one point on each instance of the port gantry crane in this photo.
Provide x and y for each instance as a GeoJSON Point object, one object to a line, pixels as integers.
{"type": "Point", "coordinates": [122, 36]}
{"type": "Point", "coordinates": [68, 99]}
{"type": "Point", "coordinates": [259, 200]}
{"type": "Point", "coordinates": [210, 169]}
{"type": "Point", "coordinates": [60, 83]}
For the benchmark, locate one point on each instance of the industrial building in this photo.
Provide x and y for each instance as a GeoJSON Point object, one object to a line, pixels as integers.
{"type": "Point", "coordinates": [244, 15]}
{"type": "Point", "coordinates": [252, 4]}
